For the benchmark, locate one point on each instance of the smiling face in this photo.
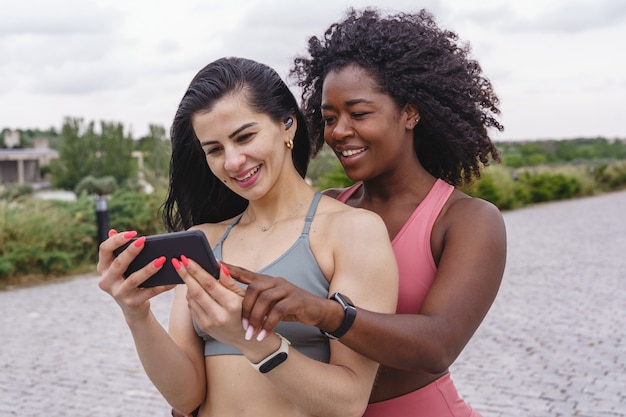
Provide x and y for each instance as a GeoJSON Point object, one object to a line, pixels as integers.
{"type": "Point", "coordinates": [245, 149]}
{"type": "Point", "coordinates": [364, 127]}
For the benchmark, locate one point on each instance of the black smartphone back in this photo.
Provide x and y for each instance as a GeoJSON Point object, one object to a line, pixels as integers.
{"type": "Point", "coordinates": [191, 243]}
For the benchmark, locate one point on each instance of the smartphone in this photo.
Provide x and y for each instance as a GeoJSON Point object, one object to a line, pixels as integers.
{"type": "Point", "coordinates": [191, 243]}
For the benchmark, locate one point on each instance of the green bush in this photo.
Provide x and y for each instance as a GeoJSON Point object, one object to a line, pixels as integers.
{"type": "Point", "coordinates": [46, 237]}
{"type": "Point", "coordinates": [15, 191]}
{"type": "Point", "coordinates": [100, 186]}
{"type": "Point", "coordinates": [583, 174]}
{"type": "Point", "coordinates": [54, 238]}
{"type": "Point", "coordinates": [497, 186]}
{"type": "Point", "coordinates": [511, 189]}
{"type": "Point", "coordinates": [6, 267]}
{"type": "Point", "coordinates": [132, 210]}
{"type": "Point", "coordinates": [547, 186]}
{"type": "Point", "coordinates": [29, 259]}
{"type": "Point", "coordinates": [534, 153]}
{"type": "Point", "coordinates": [611, 176]}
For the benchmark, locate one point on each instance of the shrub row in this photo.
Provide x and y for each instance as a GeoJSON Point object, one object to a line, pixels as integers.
{"type": "Point", "coordinates": [512, 188]}
{"type": "Point", "coordinates": [57, 238]}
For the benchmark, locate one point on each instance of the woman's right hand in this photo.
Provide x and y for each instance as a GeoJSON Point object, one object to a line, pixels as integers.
{"type": "Point", "coordinates": [134, 301]}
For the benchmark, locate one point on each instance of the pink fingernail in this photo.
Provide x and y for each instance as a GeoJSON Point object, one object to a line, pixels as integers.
{"type": "Point", "coordinates": [225, 270]}
{"type": "Point", "coordinates": [129, 235]}
{"type": "Point", "coordinates": [139, 242]}
{"type": "Point", "coordinates": [176, 264]}
{"type": "Point", "coordinates": [245, 323]}
{"type": "Point", "coordinates": [185, 260]}
{"type": "Point", "coordinates": [261, 335]}
{"type": "Point", "coordinates": [249, 333]}
{"type": "Point", "coordinates": [112, 232]}
{"type": "Point", "coordinates": [159, 262]}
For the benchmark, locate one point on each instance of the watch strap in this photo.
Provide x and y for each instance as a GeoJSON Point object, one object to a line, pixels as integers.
{"type": "Point", "coordinates": [348, 319]}
{"type": "Point", "coordinates": [275, 358]}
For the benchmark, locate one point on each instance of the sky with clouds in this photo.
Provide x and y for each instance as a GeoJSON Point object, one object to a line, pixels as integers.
{"type": "Point", "coordinates": [558, 66]}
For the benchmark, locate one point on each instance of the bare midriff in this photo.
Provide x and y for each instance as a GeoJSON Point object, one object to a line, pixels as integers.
{"type": "Point", "coordinates": [235, 389]}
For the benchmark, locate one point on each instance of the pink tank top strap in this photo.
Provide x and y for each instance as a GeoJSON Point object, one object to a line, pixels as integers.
{"type": "Point", "coordinates": [433, 203]}
{"type": "Point", "coordinates": [345, 194]}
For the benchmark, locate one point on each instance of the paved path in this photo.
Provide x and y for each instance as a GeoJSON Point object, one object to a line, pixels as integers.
{"type": "Point", "coordinates": [554, 342]}
{"type": "Point", "coordinates": [552, 345]}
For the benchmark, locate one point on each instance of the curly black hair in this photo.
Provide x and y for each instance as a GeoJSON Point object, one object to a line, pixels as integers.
{"type": "Point", "coordinates": [414, 62]}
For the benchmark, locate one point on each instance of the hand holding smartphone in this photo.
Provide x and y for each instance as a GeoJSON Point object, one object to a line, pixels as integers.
{"type": "Point", "coordinates": [191, 243]}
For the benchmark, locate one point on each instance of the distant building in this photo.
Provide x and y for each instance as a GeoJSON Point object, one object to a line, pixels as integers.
{"type": "Point", "coordinates": [12, 139]}
{"type": "Point", "coordinates": [20, 165]}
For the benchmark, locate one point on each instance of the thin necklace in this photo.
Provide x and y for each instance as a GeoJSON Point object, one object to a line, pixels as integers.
{"type": "Point", "coordinates": [266, 228]}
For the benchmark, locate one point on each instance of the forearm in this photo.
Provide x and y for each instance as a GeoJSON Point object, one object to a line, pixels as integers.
{"type": "Point", "coordinates": [171, 371]}
{"type": "Point", "coordinates": [401, 341]}
{"type": "Point", "coordinates": [330, 390]}
{"type": "Point", "coordinates": [333, 391]}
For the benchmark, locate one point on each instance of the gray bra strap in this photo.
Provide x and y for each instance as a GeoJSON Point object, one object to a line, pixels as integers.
{"type": "Point", "coordinates": [309, 215]}
{"type": "Point", "coordinates": [228, 229]}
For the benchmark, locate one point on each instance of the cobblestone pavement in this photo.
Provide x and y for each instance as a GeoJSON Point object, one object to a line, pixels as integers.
{"type": "Point", "coordinates": [552, 345]}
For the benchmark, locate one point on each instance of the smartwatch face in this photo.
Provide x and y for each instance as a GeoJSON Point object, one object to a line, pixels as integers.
{"type": "Point", "coordinates": [343, 300]}
{"type": "Point", "coordinates": [347, 300]}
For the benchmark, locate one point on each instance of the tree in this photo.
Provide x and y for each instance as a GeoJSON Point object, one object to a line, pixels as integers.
{"type": "Point", "coordinates": [115, 153]}
{"type": "Point", "coordinates": [156, 149]}
{"type": "Point", "coordinates": [76, 154]}
{"type": "Point", "coordinates": [83, 152]}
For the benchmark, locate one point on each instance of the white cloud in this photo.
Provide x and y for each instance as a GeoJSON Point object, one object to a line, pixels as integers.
{"type": "Point", "coordinates": [58, 18]}
{"type": "Point", "coordinates": [556, 64]}
{"type": "Point", "coordinates": [575, 17]}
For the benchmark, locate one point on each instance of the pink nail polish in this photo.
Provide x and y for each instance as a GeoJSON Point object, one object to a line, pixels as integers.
{"type": "Point", "coordinates": [249, 333]}
{"type": "Point", "coordinates": [225, 270]}
{"type": "Point", "coordinates": [129, 235]}
{"type": "Point", "coordinates": [261, 335]}
{"type": "Point", "coordinates": [184, 259]}
{"type": "Point", "coordinates": [112, 232]}
{"type": "Point", "coordinates": [139, 242]}
{"type": "Point", "coordinates": [159, 262]}
{"type": "Point", "coordinates": [176, 264]}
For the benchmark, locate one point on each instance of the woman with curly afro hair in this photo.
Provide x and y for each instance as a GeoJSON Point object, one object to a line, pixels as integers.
{"type": "Point", "coordinates": [408, 114]}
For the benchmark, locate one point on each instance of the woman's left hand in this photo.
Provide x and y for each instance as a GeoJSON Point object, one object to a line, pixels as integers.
{"type": "Point", "coordinates": [133, 300]}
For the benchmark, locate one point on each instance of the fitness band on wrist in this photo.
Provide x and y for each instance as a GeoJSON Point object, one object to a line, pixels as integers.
{"type": "Point", "coordinates": [275, 358]}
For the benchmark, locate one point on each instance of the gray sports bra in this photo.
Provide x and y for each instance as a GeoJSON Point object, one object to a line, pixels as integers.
{"type": "Point", "coordinates": [298, 266]}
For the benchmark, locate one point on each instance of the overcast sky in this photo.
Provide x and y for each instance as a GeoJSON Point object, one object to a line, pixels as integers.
{"type": "Point", "coordinates": [558, 66]}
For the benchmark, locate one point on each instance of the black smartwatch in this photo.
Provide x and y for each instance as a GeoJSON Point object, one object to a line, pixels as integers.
{"type": "Point", "coordinates": [348, 319]}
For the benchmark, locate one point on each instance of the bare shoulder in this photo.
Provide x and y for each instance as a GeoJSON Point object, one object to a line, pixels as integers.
{"type": "Point", "coordinates": [349, 221]}
{"type": "Point", "coordinates": [213, 231]}
{"type": "Point", "coordinates": [463, 208]}
{"type": "Point", "coordinates": [469, 223]}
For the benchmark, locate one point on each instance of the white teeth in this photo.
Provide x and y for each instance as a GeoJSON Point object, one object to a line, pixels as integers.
{"type": "Point", "coordinates": [351, 152]}
{"type": "Point", "coordinates": [249, 174]}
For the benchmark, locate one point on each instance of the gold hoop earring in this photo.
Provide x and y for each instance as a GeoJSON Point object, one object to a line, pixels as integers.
{"type": "Point", "coordinates": [289, 144]}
